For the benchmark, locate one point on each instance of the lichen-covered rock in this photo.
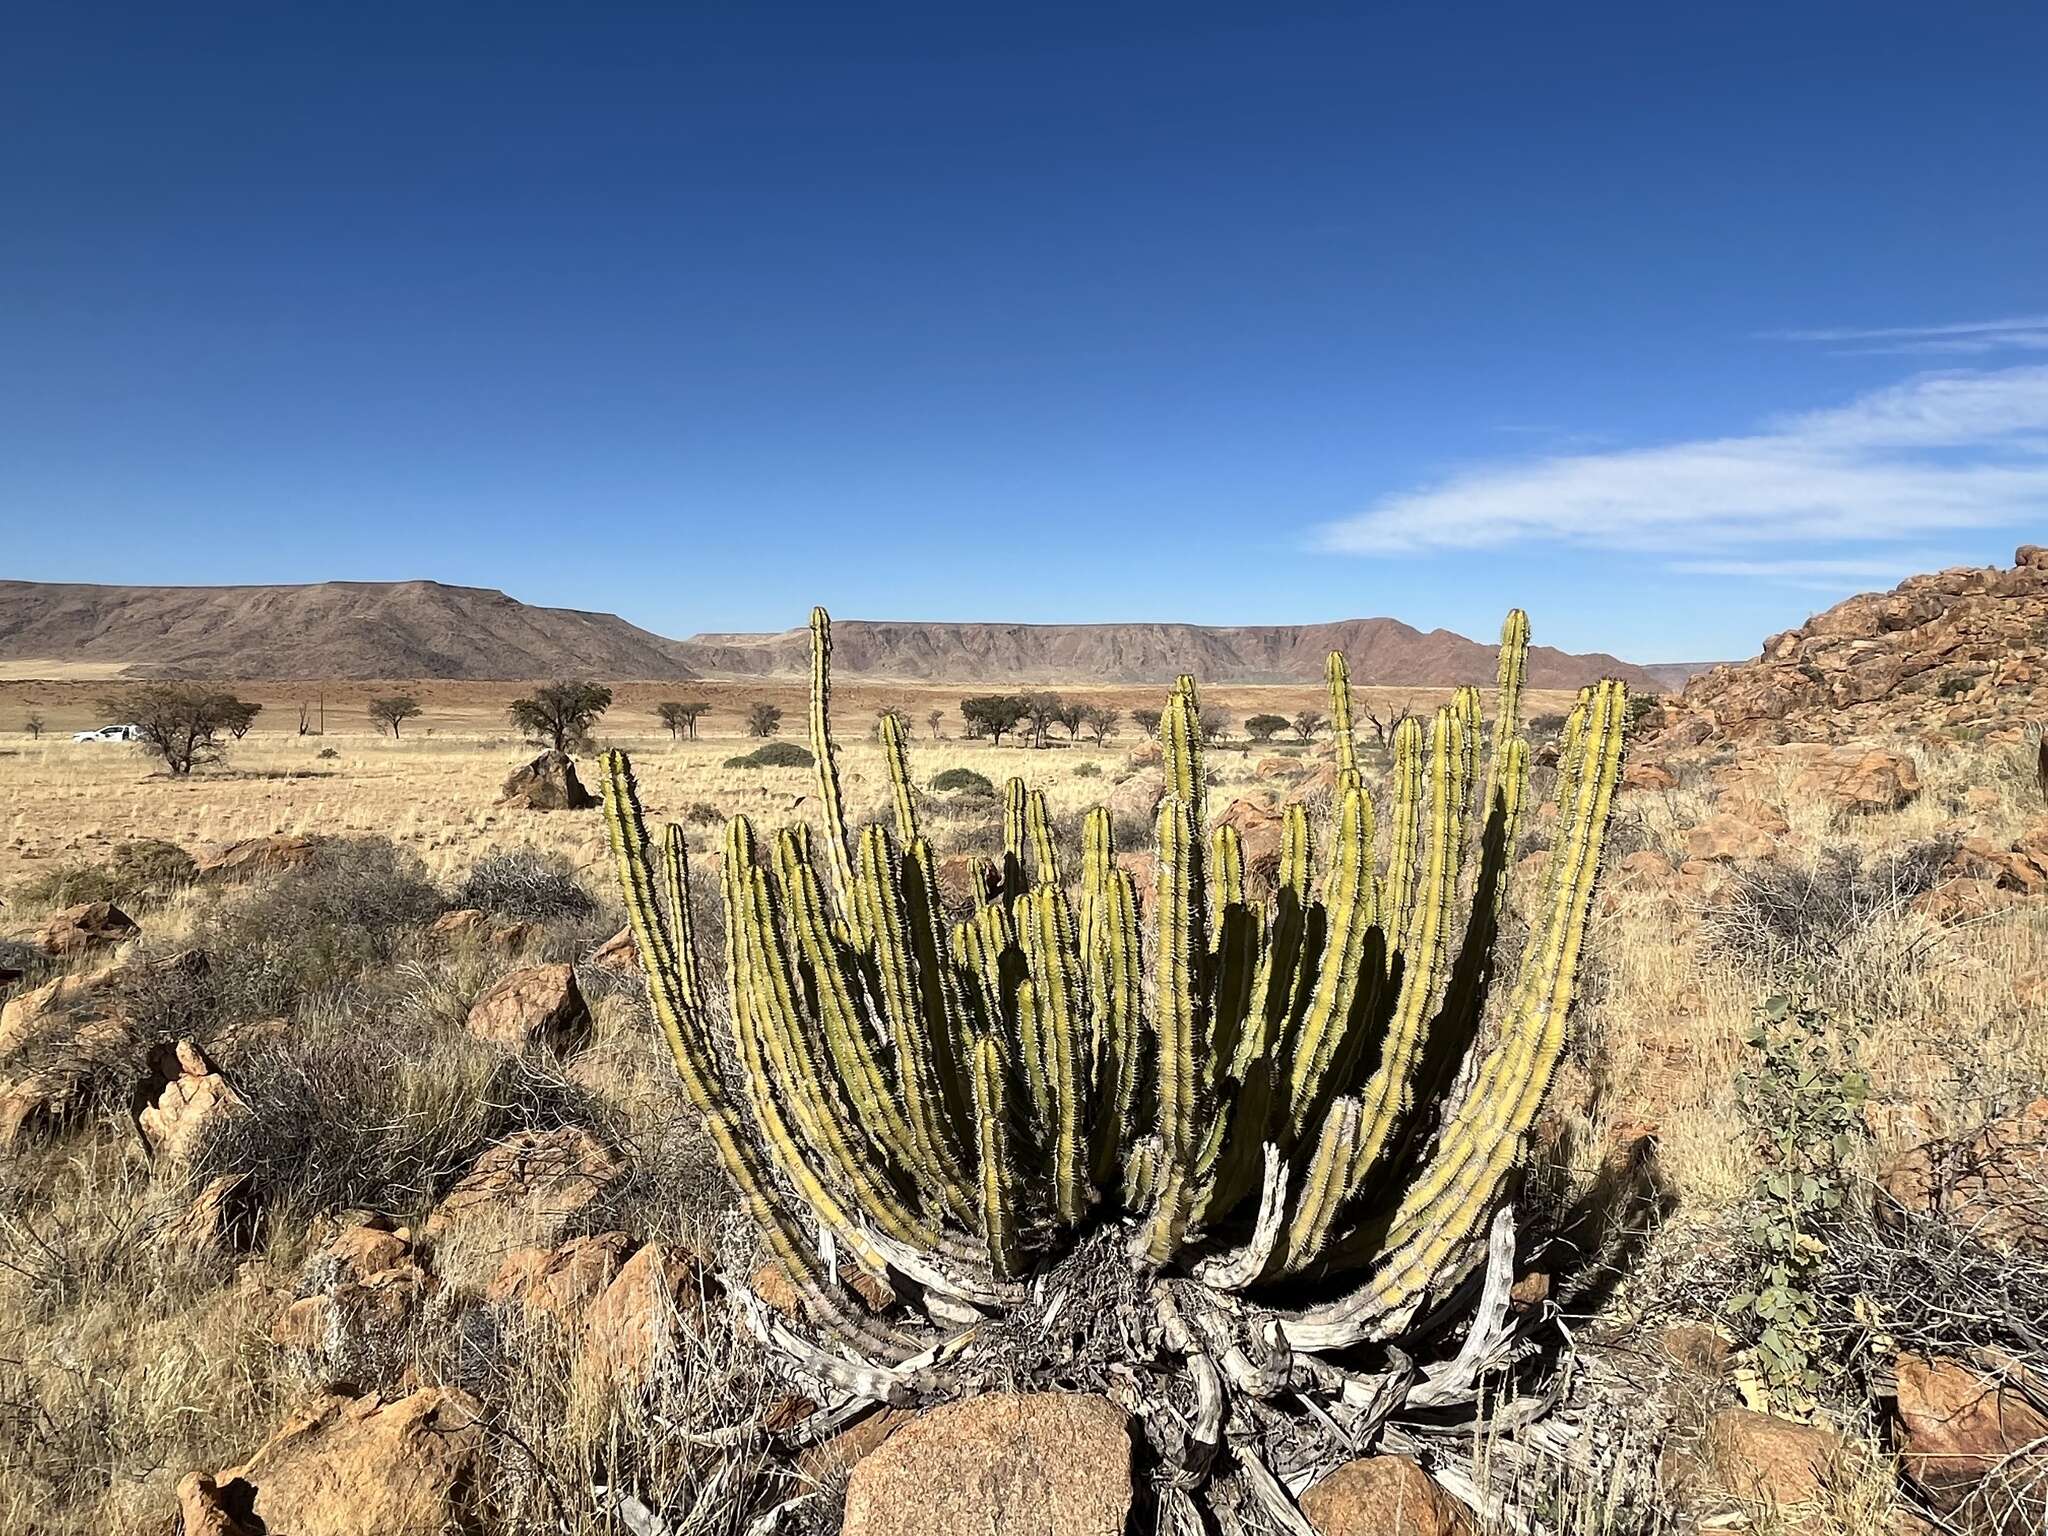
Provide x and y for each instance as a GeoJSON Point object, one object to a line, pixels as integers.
{"type": "Point", "coordinates": [365, 1467]}
{"type": "Point", "coordinates": [548, 783]}
{"type": "Point", "coordinates": [1964, 648]}
{"type": "Point", "coordinates": [535, 1005]}
{"type": "Point", "coordinates": [1383, 1496]}
{"type": "Point", "coordinates": [1048, 1463]}
{"type": "Point", "coordinates": [90, 925]}
{"type": "Point", "coordinates": [257, 855]}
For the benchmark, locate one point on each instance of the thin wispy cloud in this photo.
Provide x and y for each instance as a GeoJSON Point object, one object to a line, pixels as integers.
{"type": "Point", "coordinates": [1938, 453]}
{"type": "Point", "coordinates": [1970, 338]}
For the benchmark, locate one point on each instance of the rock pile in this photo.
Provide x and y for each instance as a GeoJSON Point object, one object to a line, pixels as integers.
{"type": "Point", "coordinates": [1961, 649]}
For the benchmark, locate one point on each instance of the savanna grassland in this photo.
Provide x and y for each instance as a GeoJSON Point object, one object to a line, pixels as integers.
{"type": "Point", "coordinates": [512, 1226]}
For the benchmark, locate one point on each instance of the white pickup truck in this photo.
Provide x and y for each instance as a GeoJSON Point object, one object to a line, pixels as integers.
{"type": "Point", "coordinates": [110, 733]}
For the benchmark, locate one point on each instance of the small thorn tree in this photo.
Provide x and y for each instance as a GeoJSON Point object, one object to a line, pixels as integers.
{"type": "Point", "coordinates": [390, 713]}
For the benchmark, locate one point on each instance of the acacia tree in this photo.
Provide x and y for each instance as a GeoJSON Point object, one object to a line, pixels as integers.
{"type": "Point", "coordinates": [1147, 720]}
{"type": "Point", "coordinates": [559, 716]}
{"type": "Point", "coordinates": [1307, 723]}
{"type": "Point", "coordinates": [936, 719]}
{"type": "Point", "coordinates": [1070, 717]}
{"type": "Point", "coordinates": [681, 717]}
{"type": "Point", "coordinates": [992, 714]}
{"type": "Point", "coordinates": [179, 722]}
{"type": "Point", "coordinates": [1265, 727]}
{"type": "Point", "coordinates": [897, 713]}
{"type": "Point", "coordinates": [1043, 711]}
{"type": "Point", "coordinates": [389, 713]}
{"type": "Point", "coordinates": [764, 719]}
{"type": "Point", "coordinates": [1101, 721]}
{"type": "Point", "coordinates": [1214, 722]}
{"type": "Point", "coordinates": [34, 726]}
{"type": "Point", "coordinates": [238, 716]}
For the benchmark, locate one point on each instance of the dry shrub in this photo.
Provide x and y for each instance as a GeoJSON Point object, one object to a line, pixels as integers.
{"type": "Point", "coordinates": [1791, 915]}
{"type": "Point", "coordinates": [306, 933]}
{"type": "Point", "coordinates": [386, 1118]}
{"type": "Point", "coordinates": [138, 875]}
{"type": "Point", "coordinates": [526, 884]}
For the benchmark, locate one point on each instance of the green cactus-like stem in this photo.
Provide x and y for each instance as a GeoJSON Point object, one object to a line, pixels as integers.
{"type": "Point", "coordinates": [998, 1174]}
{"type": "Point", "coordinates": [681, 1022]}
{"type": "Point", "coordinates": [1350, 900]}
{"type": "Point", "coordinates": [1338, 674]}
{"type": "Point", "coordinates": [1174, 1004]}
{"type": "Point", "coordinates": [839, 841]}
{"type": "Point", "coordinates": [1507, 709]}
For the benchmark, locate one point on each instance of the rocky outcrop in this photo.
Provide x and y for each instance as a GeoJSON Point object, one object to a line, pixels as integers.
{"type": "Point", "coordinates": [1383, 1496]}
{"type": "Point", "coordinates": [530, 1185]}
{"type": "Point", "coordinates": [186, 1102]}
{"type": "Point", "coordinates": [1958, 649]}
{"type": "Point", "coordinates": [1976, 1446]}
{"type": "Point", "coordinates": [91, 925]}
{"type": "Point", "coordinates": [1992, 1184]}
{"type": "Point", "coordinates": [536, 1005]}
{"type": "Point", "coordinates": [1052, 1463]}
{"type": "Point", "coordinates": [353, 1467]}
{"type": "Point", "coordinates": [258, 855]}
{"type": "Point", "coordinates": [1753, 1470]}
{"type": "Point", "coordinates": [548, 783]}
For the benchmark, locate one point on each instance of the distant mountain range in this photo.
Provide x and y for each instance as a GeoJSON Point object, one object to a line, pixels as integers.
{"type": "Point", "coordinates": [424, 629]}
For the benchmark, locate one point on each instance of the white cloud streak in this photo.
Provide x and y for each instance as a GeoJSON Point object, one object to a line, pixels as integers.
{"type": "Point", "coordinates": [1972, 338]}
{"type": "Point", "coordinates": [1939, 452]}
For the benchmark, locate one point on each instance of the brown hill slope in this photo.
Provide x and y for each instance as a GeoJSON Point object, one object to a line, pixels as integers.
{"type": "Point", "coordinates": [1961, 649]}
{"type": "Point", "coordinates": [424, 629]}
{"type": "Point", "coordinates": [1381, 651]}
{"type": "Point", "coordinates": [331, 629]}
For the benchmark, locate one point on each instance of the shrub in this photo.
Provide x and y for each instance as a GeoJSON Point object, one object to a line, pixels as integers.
{"type": "Point", "coordinates": [1805, 915]}
{"type": "Point", "coordinates": [326, 753]}
{"type": "Point", "coordinates": [775, 754]}
{"type": "Point", "coordinates": [525, 883]}
{"type": "Point", "coordinates": [1088, 771]}
{"type": "Point", "coordinates": [382, 1118]}
{"type": "Point", "coordinates": [310, 930]}
{"type": "Point", "coordinates": [136, 875]}
{"type": "Point", "coordinates": [1802, 1093]}
{"type": "Point", "coordinates": [69, 884]}
{"type": "Point", "coordinates": [963, 781]}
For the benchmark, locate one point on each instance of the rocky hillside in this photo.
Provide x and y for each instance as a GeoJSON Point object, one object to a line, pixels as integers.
{"type": "Point", "coordinates": [1381, 651]}
{"type": "Point", "coordinates": [1959, 650]}
{"type": "Point", "coordinates": [331, 629]}
{"type": "Point", "coordinates": [424, 629]}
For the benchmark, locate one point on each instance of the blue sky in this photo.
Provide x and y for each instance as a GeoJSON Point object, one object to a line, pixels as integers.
{"type": "Point", "coordinates": [1673, 324]}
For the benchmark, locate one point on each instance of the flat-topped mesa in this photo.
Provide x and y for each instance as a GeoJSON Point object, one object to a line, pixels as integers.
{"type": "Point", "coordinates": [1288, 1144]}
{"type": "Point", "coordinates": [1960, 650]}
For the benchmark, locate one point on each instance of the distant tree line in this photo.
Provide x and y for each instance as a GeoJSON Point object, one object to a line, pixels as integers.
{"type": "Point", "coordinates": [992, 716]}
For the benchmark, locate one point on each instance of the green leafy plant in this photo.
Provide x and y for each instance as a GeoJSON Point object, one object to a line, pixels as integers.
{"type": "Point", "coordinates": [774, 754]}
{"type": "Point", "coordinates": [1802, 1093]}
{"type": "Point", "coordinates": [963, 781]}
{"type": "Point", "coordinates": [559, 715]}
